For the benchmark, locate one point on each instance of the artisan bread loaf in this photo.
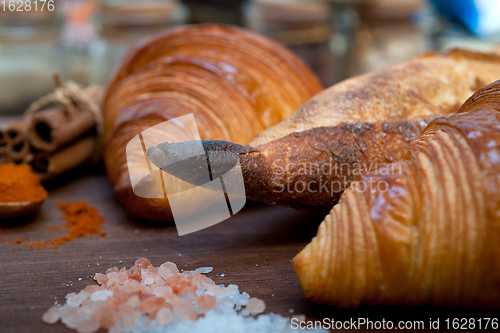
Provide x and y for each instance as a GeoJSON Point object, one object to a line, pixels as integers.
{"type": "Point", "coordinates": [430, 85]}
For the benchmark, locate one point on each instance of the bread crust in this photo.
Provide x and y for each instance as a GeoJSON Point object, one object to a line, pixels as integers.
{"type": "Point", "coordinates": [432, 84]}
{"type": "Point", "coordinates": [311, 169]}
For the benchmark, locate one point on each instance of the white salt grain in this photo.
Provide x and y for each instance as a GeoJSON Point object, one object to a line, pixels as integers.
{"type": "Point", "coordinates": [222, 275]}
{"type": "Point", "coordinates": [204, 270]}
{"type": "Point", "coordinates": [149, 280]}
{"type": "Point", "coordinates": [77, 300]}
{"type": "Point", "coordinates": [101, 295]}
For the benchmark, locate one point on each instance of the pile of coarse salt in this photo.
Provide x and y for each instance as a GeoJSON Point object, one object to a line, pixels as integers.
{"type": "Point", "coordinates": [145, 298]}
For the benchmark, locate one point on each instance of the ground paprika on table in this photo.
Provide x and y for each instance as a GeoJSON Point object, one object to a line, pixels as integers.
{"type": "Point", "coordinates": [81, 220]}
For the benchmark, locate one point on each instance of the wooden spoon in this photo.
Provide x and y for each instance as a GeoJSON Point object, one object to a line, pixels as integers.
{"type": "Point", "coordinates": [13, 209]}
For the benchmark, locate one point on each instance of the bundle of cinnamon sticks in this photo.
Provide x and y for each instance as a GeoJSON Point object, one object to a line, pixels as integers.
{"type": "Point", "coordinates": [58, 132]}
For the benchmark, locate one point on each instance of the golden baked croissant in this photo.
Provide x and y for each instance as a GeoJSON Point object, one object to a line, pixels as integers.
{"type": "Point", "coordinates": [425, 229]}
{"type": "Point", "coordinates": [307, 160]}
{"type": "Point", "coordinates": [236, 83]}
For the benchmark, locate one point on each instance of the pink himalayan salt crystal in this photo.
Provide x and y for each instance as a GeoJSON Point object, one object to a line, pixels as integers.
{"type": "Point", "coordinates": [125, 308]}
{"type": "Point", "coordinates": [87, 325]}
{"type": "Point", "coordinates": [68, 296]}
{"type": "Point", "coordinates": [52, 315]}
{"type": "Point", "coordinates": [171, 298]}
{"type": "Point", "coordinates": [185, 309]}
{"type": "Point", "coordinates": [205, 282]}
{"type": "Point", "coordinates": [180, 284]}
{"type": "Point", "coordinates": [112, 270]}
{"type": "Point", "coordinates": [145, 273]}
{"type": "Point", "coordinates": [128, 320]}
{"type": "Point", "coordinates": [142, 263]}
{"type": "Point", "coordinates": [189, 296]}
{"type": "Point", "coordinates": [153, 269]}
{"type": "Point", "coordinates": [168, 269]}
{"type": "Point", "coordinates": [135, 274]}
{"type": "Point", "coordinates": [206, 302]}
{"type": "Point", "coordinates": [161, 291]}
{"type": "Point", "coordinates": [255, 306]}
{"type": "Point", "coordinates": [159, 281]}
{"type": "Point", "coordinates": [113, 281]}
{"type": "Point", "coordinates": [134, 301]}
{"type": "Point", "coordinates": [152, 304]}
{"type": "Point", "coordinates": [91, 289]}
{"type": "Point", "coordinates": [106, 316]}
{"type": "Point", "coordinates": [224, 292]}
{"type": "Point", "coordinates": [122, 277]}
{"type": "Point", "coordinates": [115, 301]}
{"type": "Point", "coordinates": [101, 278]}
{"type": "Point", "coordinates": [67, 312]}
{"type": "Point", "coordinates": [163, 316]}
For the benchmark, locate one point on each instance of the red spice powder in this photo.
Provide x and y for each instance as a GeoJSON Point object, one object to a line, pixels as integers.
{"type": "Point", "coordinates": [19, 184]}
{"type": "Point", "coordinates": [81, 220]}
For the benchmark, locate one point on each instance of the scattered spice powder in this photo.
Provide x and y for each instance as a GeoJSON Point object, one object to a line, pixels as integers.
{"type": "Point", "coordinates": [19, 184]}
{"type": "Point", "coordinates": [81, 220]}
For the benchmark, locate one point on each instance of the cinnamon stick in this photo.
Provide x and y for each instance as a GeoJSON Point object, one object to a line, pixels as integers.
{"type": "Point", "coordinates": [3, 140]}
{"type": "Point", "coordinates": [52, 129]}
{"type": "Point", "coordinates": [51, 165]}
{"type": "Point", "coordinates": [15, 135]}
{"type": "Point", "coordinates": [3, 146]}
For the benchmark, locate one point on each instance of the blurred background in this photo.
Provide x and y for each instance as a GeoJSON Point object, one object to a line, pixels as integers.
{"type": "Point", "coordinates": [83, 40]}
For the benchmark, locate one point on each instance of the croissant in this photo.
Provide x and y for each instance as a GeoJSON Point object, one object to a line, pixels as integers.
{"type": "Point", "coordinates": [422, 230]}
{"type": "Point", "coordinates": [235, 83]}
{"type": "Point", "coordinates": [307, 160]}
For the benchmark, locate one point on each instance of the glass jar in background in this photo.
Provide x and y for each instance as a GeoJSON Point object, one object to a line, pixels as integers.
{"type": "Point", "coordinates": [28, 58]}
{"type": "Point", "coordinates": [305, 27]}
{"type": "Point", "coordinates": [123, 23]}
{"type": "Point", "coordinates": [390, 31]}
{"type": "Point", "coordinates": [77, 38]}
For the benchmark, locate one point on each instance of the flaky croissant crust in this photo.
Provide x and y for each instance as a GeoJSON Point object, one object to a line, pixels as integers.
{"type": "Point", "coordinates": [235, 82]}
{"type": "Point", "coordinates": [428, 231]}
